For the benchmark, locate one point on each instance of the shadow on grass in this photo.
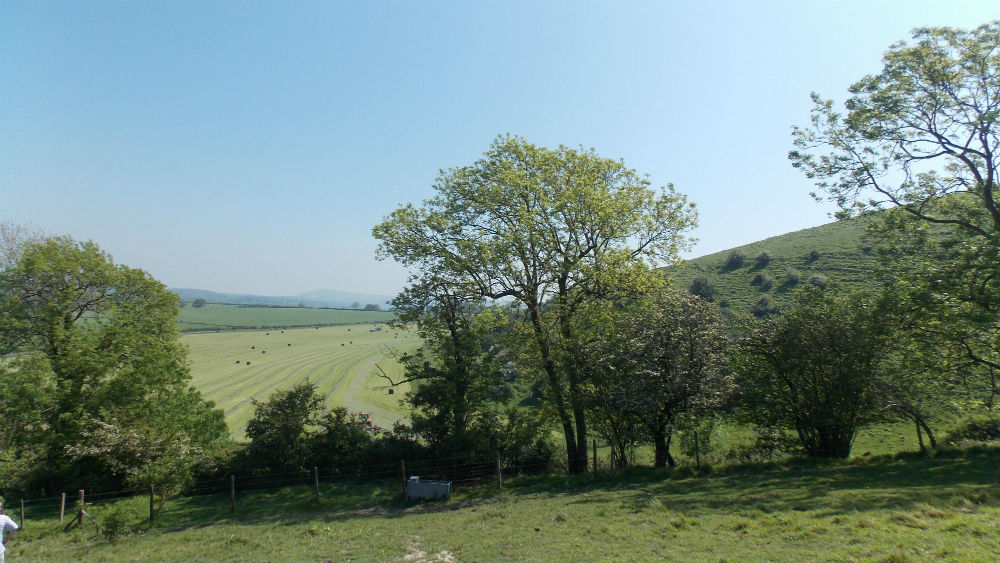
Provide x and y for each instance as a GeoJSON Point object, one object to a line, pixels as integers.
{"type": "Point", "coordinates": [823, 489]}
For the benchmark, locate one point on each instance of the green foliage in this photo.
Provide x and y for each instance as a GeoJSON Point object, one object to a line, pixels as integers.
{"type": "Point", "coordinates": [919, 137]}
{"type": "Point", "coordinates": [199, 303]}
{"type": "Point", "coordinates": [664, 360]}
{"type": "Point", "coordinates": [704, 288]}
{"type": "Point", "coordinates": [89, 343]}
{"type": "Point", "coordinates": [763, 308]}
{"type": "Point", "coordinates": [734, 261]}
{"type": "Point", "coordinates": [815, 368]}
{"type": "Point", "coordinates": [281, 426]}
{"type": "Point", "coordinates": [115, 525]}
{"type": "Point", "coordinates": [762, 260]}
{"type": "Point", "coordinates": [974, 430]}
{"type": "Point", "coordinates": [554, 230]}
{"type": "Point", "coordinates": [459, 378]}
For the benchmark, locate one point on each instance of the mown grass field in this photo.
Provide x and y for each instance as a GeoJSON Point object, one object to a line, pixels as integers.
{"type": "Point", "coordinates": [887, 509]}
{"type": "Point", "coordinates": [231, 368]}
{"type": "Point", "coordinates": [216, 316]}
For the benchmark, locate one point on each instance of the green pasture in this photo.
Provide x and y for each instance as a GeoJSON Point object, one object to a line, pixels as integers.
{"type": "Point", "coordinates": [231, 368]}
{"type": "Point", "coordinates": [216, 316]}
{"type": "Point", "coordinates": [890, 509]}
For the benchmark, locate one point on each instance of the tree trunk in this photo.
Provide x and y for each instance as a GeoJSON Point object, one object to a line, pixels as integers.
{"type": "Point", "coordinates": [927, 430]}
{"type": "Point", "coordinates": [920, 437]}
{"type": "Point", "coordinates": [662, 450]}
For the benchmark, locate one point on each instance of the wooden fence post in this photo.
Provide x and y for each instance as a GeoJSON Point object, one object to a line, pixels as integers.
{"type": "Point", "coordinates": [151, 494]}
{"type": "Point", "coordinates": [595, 456]}
{"type": "Point", "coordinates": [79, 515]}
{"type": "Point", "coordinates": [232, 493]}
{"type": "Point", "coordinates": [62, 508]}
{"type": "Point", "coordinates": [499, 473]}
{"type": "Point", "coordinates": [402, 475]}
{"type": "Point", "coordinates": [316, 480]}
{"type": "Point", "coordinates": [697, 451]}
{"type": "Point", "coordinates": [22, 514]}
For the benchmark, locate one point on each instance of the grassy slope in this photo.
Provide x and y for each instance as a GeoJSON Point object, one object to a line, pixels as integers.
{"type": "Point", "coordinates": [842, 261]}
{"type": "Point", "coordinates": [339, 360]}
{"type": "Point", "coordinates": [885, 509]}
{"type": "Point", "coordinates": [235, 317]}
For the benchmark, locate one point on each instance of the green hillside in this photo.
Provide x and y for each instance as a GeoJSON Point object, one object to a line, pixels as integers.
{"type": "Point", "coordinates": [215, 316]}
{"type": "Point", "coordinates": [836, 252]}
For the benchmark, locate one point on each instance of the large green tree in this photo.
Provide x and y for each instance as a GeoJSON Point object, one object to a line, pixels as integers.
{"type": "Point", "coordinates": [816, 368]}
{"type": "Point", "coordinates": [663, 359]}
{"type": "Point", "coordinates": [550, 229]}
{"type": "Point", "coordinates": [99, 343]}
{"type": "Point", "coordinates": [919, 139]}
{"type": "Point", "coordinates": [457, 380]}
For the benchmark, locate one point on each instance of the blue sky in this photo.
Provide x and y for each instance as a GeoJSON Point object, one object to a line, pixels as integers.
{"type": "Point", "coordinates": [250, 146]}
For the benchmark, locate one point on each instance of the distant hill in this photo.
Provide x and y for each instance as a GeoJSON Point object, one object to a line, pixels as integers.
{"type": "Point", "coordinates": [835, 253]}
{"type": "Point", "coordinates": [318, 298]}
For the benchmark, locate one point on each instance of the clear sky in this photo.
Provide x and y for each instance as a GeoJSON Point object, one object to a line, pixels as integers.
{"type": "Point", "coordinates": [251, 146]}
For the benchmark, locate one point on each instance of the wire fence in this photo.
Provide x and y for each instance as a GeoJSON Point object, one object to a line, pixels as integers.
{"type": "Point", "coordinates": [463, 471]}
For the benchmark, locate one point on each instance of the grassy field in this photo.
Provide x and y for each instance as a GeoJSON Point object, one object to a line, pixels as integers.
{"type": "Point", "coordinates": [230, 368]}
{"type": "Point", "coordinates": [887, 509]}
{"type": "Point", "coordinates": [240, 317]}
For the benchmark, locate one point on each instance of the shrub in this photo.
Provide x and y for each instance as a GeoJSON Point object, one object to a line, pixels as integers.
{"type": "Point", "coordinates": [114, 526]}
{"type": "Point", "coordinates": [703, 287]}
{"type": "Point", "coordinates": [762, 259]}
{"type": "Point", "coordinates": [975, 430]}
{"type": "Point", "coordinates": [867, 249]}
{"type": "Point", "coordinates": [792, 276]}
{"type": "Point", "coordinates": [199, 303]}
{"type": "Point", "coordinates": [763, 308]}
{"type": "Point", "coordinates": [818, 280]}
{"type": "Point", "coordinates": [813, 256]}
{"type": "Point", "coordinates": [735, 260]}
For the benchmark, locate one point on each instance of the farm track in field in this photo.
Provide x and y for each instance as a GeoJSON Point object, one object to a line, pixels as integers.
{"type": "Point", "coordinates": [233, 368]}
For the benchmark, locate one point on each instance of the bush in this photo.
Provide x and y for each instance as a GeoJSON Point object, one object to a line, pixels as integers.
{"type": "Point", "coordinates": [818, 280]}
{"type": "Point", "coordinates": [762, 259]}
{"type": "Point", "coordinates": [867, 249]}
{"type": "Point", "coordinates": [813, 256]}
{"type": "Point", "coordinates": [763, 308]}
{"type": "Point", "coordinates": [199, 303]}
{"type": "Point", "coordinates": [792, 276]}
{"type": "Point", "coordinates": [114, 526]}
{"type": "Point", "coordinates": [770, 443]}
{"type": "Point", "coordinates": [975, 430]}
{"type": "Point", "coordinates": [735, 260]}
{"type": "Point", "coordinates": [703, 287]}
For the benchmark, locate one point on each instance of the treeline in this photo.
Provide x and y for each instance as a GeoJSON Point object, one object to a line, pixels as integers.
{"type": "Point", "coordinates": [537, 293]}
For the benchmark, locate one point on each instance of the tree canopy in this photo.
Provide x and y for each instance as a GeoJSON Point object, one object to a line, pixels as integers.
{"type": "Point", "coordinates": [919, 139]}
{"type": "Point", "coordinates": [99, 343]}
{"type": "Point", "coordinates": [549, 229]}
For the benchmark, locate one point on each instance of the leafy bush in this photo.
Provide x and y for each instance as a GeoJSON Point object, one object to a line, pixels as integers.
{"type": "Point", "coordinates": [762, 259]}
{"type": "Point", "coordinates": [770, 443]}
{"type": "Point", "coordinates": [818, 280]}
{"type": "Point", "coordinates": [975, 430]}
{"type": "Point", "coordinates": [813, 256]}
{"type": "Point", "coordinates": [114, 526]}
{"type": "Point", "coordinates": [792, 276]}
{"type": "Point", "coordinates": [735, 260]}
{"type": "Point", "coordinates": [763, 308]}
{"type": "Point", "coordinates": [703, 287]}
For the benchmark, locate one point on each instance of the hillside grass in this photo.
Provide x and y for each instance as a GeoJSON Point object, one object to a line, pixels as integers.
{"type": "Point", "coordinates": [219, 317]}
{"type": "Point", "coordinates": [843, 259]}
{"type": "Point", "coordinates": [231, 368]}
{"type": "Point", "coordinates": [884, 509]}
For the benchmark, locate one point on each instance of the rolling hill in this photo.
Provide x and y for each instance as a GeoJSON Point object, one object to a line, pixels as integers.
{"type": "Point", "coordinates": [835, 253]}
